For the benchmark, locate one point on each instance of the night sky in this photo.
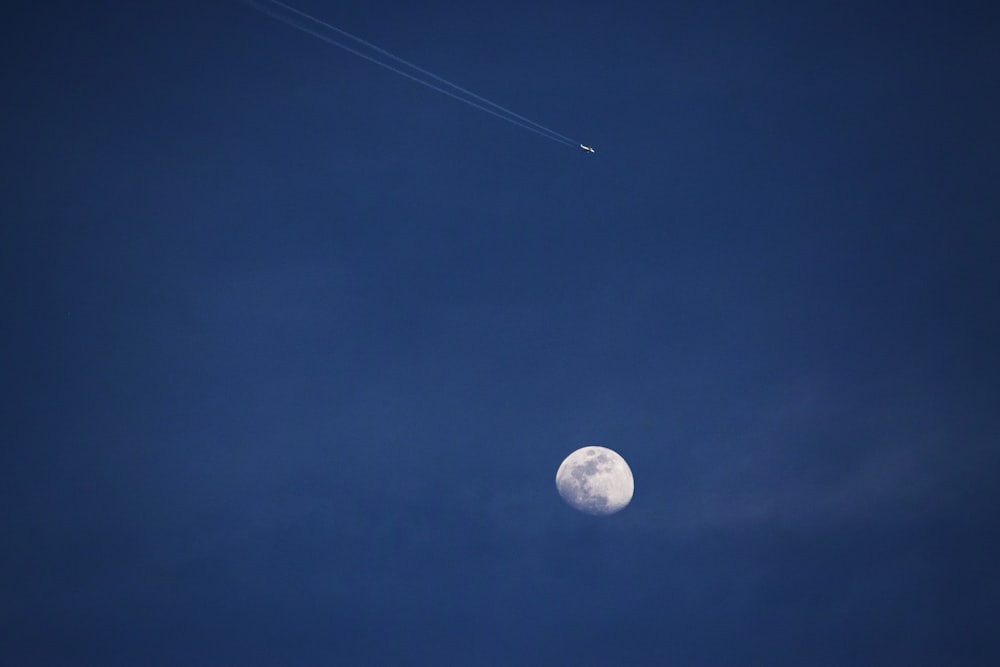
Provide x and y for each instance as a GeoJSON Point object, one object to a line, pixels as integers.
{"type": "Point", "coordinates": [293, 346]}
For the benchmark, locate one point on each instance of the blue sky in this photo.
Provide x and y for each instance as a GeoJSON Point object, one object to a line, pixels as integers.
{"type": "Point", "coordinates": [295, 345]}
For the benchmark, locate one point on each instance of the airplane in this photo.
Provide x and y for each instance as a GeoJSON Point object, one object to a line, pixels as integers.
{"type": "Point", "coordinates": [587, 148]}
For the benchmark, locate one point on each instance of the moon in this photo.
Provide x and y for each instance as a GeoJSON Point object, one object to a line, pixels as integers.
{"type": "Point", "coordinates": [595, 480]}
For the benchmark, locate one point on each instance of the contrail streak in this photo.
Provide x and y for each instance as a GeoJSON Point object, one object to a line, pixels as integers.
{"type": "Point", "coordinates": [422, 70]}
{"type": "Point", "coordinates": [493, 108]}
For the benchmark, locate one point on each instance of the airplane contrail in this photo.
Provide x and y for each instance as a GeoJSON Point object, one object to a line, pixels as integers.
{"type": "Point", "coordinates": [422, 71]}
{"type": "Point", "coordinates": [267, 7]}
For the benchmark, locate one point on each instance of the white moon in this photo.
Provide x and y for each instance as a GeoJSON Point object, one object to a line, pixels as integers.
{"type": "Point", "coordinates": [595, 480]}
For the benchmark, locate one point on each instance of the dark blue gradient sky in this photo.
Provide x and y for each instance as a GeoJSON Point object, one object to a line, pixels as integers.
{"type": "Point", "coordinates": [293, 346]}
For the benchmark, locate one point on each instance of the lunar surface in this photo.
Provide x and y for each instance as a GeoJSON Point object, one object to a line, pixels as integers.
{"type": "Point", "coordinates": [595, 480]}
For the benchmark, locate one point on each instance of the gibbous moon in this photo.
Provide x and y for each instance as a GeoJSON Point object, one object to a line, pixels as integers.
{"type": "Point", "coordinates": [595, 480]}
